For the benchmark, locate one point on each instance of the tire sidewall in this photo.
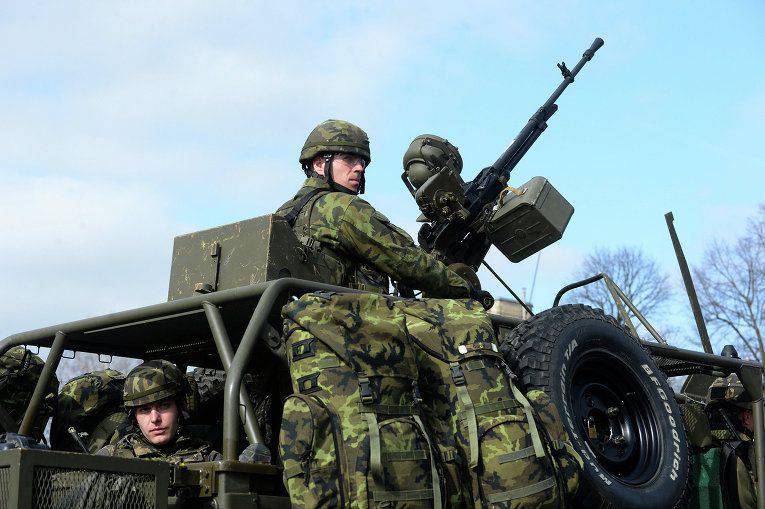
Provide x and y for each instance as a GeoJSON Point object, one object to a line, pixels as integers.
{"type": "Point", "coordinates": [667, 486]}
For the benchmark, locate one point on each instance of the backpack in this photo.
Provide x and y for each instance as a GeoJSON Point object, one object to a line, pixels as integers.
{"type": "Point", "coordinates": [19, 371]}
{"type": "Point", "coordinates": [499, 447]}
{"type": "Point", "coordinates": [351, 433]}
{"type": "Point", "coordinates": [92, 404]}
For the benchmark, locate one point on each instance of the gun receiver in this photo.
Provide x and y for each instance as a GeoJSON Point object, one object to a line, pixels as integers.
{"type": "Point", "coordinates": [462, 238]}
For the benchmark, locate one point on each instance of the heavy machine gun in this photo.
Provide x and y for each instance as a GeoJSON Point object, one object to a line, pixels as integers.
{"type": "Point", "coordinates": [465, 218]}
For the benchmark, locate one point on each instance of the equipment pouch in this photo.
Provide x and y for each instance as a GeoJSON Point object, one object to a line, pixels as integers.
{"type": "Point", "coordinates": [456, 494]}
{"type": "Point", "coordinates": [568, 461]}
{"type": "Point", "coordinates": [401, 464]}
{"type": "Point", "coordinates": [309, 450]}
{"type": "Point", "coordinates": [511, 473]}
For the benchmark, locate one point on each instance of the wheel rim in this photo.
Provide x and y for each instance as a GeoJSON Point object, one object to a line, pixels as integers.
{"type": "Point", "coordinates": [616, 420]}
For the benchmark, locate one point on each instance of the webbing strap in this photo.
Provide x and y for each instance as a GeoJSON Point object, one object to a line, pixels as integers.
{"type": "Point", "coordinates": [468, 411]}
{"type": "Point", "coordinates": [375, 452]}
{"type": "Point", "coordinates": [292, 215]}
{"type": "Point", "coordinates": [415, 455]}
{"type": "Point", "coordinates": [479, 346]}
{"type": "Point", "coordinates": [387, 409]}
{"type": "Point", "coordinates": [328, 362]}
{"type": "Point", "coordinates": [402, 496]}
{"type": "Point", "coordinates": [535, 438]}
{"type": "Point", "coordinates": [531, 489]}
{"type": "Point", "coordinates": [516, 455]}
{"type": "Point", "coordinates": [295, 471]}
{"type": "Point", "coordinates": [488, 408]}
{"type": "Point", "coordinates": [433, 465]}
{"type": "Point", "coordinates": [448, 454]}
{"type": "Point", "coordinates": [474, 365]}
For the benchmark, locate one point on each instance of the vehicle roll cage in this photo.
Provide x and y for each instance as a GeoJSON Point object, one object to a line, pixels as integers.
{"type": "Point", "coordinates": [200, 324]}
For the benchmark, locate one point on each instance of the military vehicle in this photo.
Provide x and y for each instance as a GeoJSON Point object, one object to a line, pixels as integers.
{"type": "Point", "coordinates": [227, 285]}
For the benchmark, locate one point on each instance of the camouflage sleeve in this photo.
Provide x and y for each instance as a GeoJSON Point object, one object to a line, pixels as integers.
{"type": "Point", "coordinates": [107, 450]}
{"type": "Point", "coordinates": [370, 235]}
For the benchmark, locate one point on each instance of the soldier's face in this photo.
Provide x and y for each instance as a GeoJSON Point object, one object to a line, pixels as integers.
{"type": "Point", "coordinates": [347, 170]}
{"type": "Point", "coordinates": [746, 420]}
{"type": "Point", "coordinates": [158, 421]}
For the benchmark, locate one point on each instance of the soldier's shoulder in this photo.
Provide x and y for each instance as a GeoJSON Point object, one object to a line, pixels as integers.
{"type": "Point", "coordinates": [120, 449]}
{"type": "Point", "coordinates": [107, 450]}
{"type": "Point", "coordinates": [338, 199]}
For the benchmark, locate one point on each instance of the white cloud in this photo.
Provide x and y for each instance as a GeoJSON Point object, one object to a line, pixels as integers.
{"type": "Point", "coordinates": [120, 118]}
{"type": "Point", "coordinates": [79, 248]}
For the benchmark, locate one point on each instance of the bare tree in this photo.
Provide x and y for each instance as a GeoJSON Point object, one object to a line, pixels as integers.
{"type": "Point", "coordinates": [638, 275]}
{"type": "Point", "coordinates": [732, 288]}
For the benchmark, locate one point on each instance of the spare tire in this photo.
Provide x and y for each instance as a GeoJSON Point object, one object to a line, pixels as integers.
{"type": "Point", "coordinates": [616, 405]}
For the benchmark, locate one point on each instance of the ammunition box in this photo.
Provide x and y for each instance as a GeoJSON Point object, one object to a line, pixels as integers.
{"type": "Point", "coordinates": [529, 221]}
{"type": "Point", "coordinates": [239, 254]}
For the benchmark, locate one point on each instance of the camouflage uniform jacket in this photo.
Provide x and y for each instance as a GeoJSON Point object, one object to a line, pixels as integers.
{"type": "Point", "coordinates": [183, 450]}
{"type": "Point", "coordinates": [366, 246]}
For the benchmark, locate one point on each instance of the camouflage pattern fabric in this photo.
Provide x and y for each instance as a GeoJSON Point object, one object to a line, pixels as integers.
{"type": "Point", "coordinates": [335, 136]}
{"type": "Point", "coordinates": [19, 371]}
{"type": "Point", "coordinates": [363, 247]}
{"type": "Point", "coordinates": [184, 449]}
{"type": "Point", "coordinates": [697, 427]}
{"type": "Point", "coordinates": [92, 404]}
{"type": "Point", "coordinates": [728, 390]}
{"type": "Point", "coordinates": [153, 381]}
{"type": "Point", "coordinates": [351, 434]}
{"type": "Point", "coordinates": [501, 448]}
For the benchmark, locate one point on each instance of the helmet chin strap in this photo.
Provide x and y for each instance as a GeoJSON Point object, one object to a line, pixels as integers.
{"type": "Point", "coordinates": [328, 178]}
{"type": "Point", "coordinates": [328, 168]}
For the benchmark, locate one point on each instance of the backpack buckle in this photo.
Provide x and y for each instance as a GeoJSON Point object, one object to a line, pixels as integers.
{"type": "Point", "coordinates": [367, 397]}
{"type": "Point", "coordinates": [457, 375]}
{"type": "Point", "coordinates": [416, 396]}
{"type": "Point", "coordinates": [308, 384]}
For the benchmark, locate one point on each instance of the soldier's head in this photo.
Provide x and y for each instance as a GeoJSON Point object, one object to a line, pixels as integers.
{"type": "Point", "coordinates": [338, 152]}
{"type": "Point", "coordinates": [729, 391]}
{"type": "Point", "coordinates": [154, 395]}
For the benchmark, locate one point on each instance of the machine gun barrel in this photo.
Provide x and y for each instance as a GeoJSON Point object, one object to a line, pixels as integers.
{"type": "Point", "coordinates": [484, 190]}
{"type": "Point", "coordinates": [538, 122]}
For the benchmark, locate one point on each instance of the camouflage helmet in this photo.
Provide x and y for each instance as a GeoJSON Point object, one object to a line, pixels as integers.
{"type": "Point", "coordinates": [427, 155]}
{"type": "Point", "coordinates": [730, 391]}
{"type": "Point", "coordinates": [153, 381]}
{"type": "Point", "coordinates": [335, 136]}
{"type": "Point", "coordinates": [19, 371]}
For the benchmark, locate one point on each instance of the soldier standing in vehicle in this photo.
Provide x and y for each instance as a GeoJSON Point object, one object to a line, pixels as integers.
{"type": "Point", "coordinates": [155, 397]}
{"type": "Point", "coordinates": [360, 245]}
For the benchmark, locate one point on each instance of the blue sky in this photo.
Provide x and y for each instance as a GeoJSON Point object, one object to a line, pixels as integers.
{"type": "Point", "coordinates": [124, 124]}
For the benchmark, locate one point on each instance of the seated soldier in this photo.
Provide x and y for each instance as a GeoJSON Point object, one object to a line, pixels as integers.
{"type": "Point", "coordinates": [155, 396]}
{"type": "Point", "coordinates": [737, 462]}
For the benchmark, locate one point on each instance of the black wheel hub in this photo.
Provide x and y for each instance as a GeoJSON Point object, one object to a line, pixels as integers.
{"type": "Point", "coordinates": [615, 417]}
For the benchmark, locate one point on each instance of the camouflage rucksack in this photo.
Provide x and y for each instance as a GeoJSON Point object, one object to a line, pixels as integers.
{"type": "Point", "coordinates": [19, 371]}
{"type": "Point", "coordinates": [499, 447]}
{"type": "Point", "coordinates": [92, 405]}
{"type": "Point", "coordinates": [351, 434]}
